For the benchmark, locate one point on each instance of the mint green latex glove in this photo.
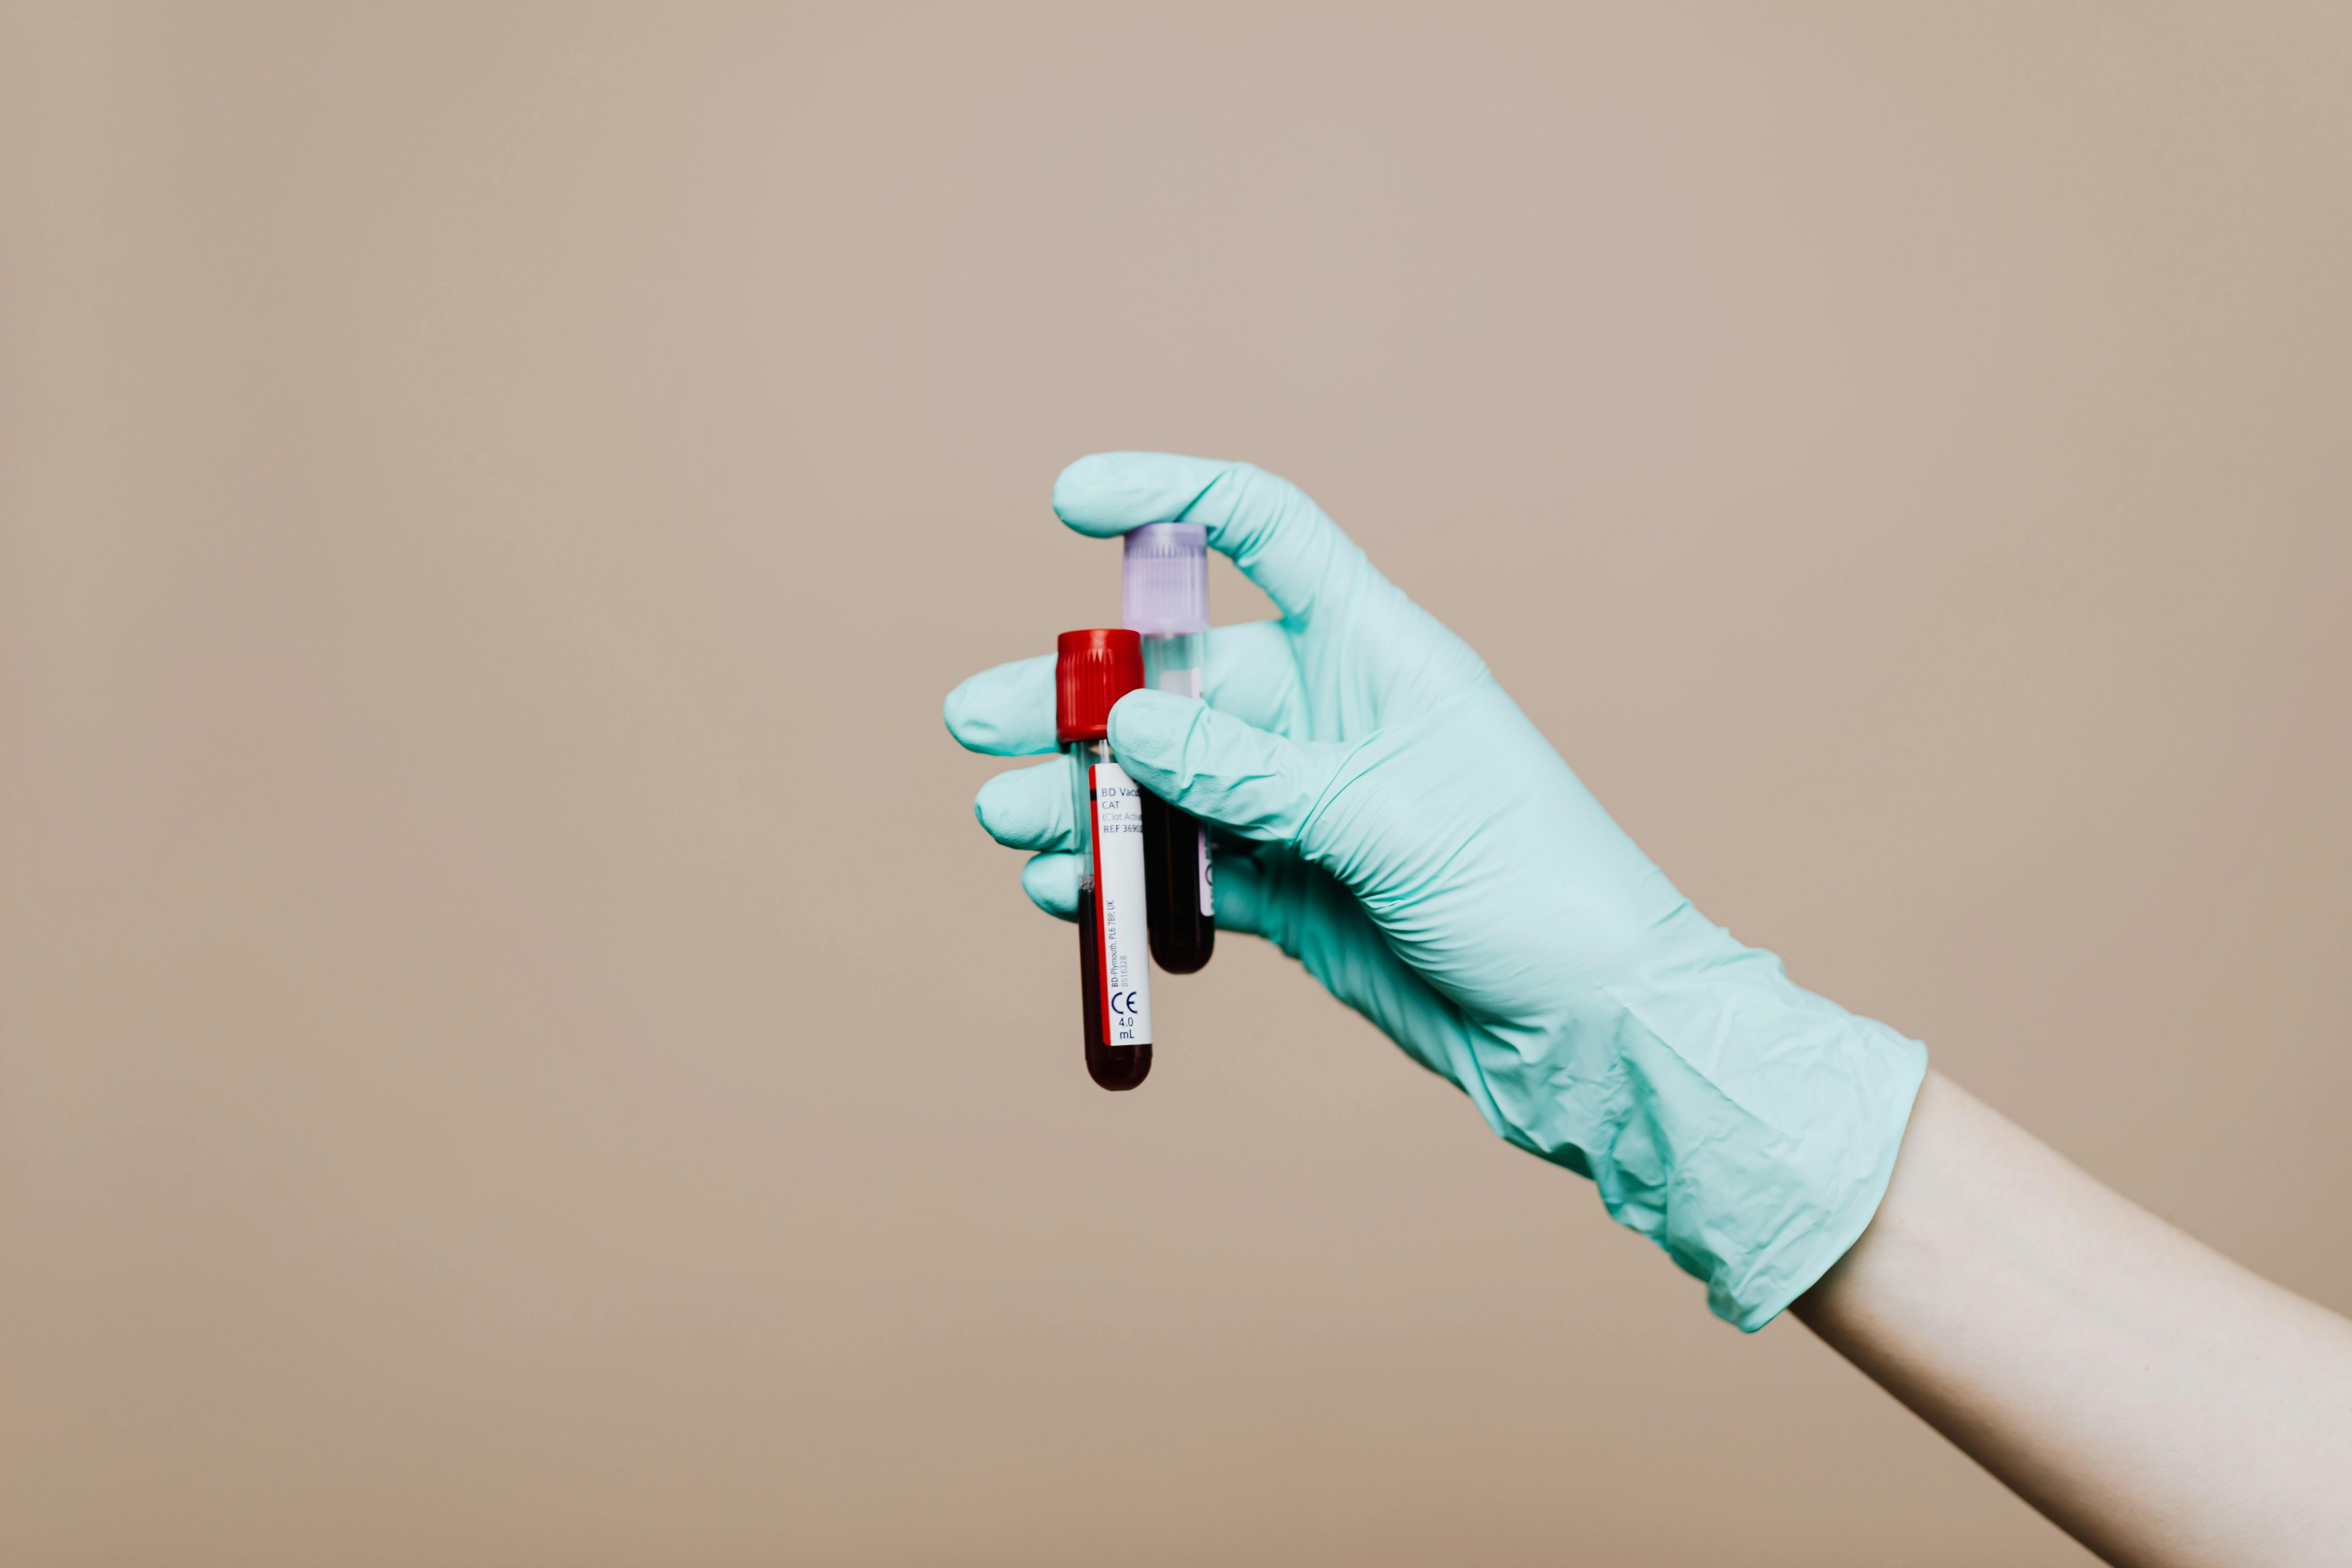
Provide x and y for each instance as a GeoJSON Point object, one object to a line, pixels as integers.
{"type": "Point", "coordinates": [1414, 843]}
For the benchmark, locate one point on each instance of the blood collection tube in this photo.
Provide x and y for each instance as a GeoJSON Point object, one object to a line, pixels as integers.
{"type": "Point", "coordinates": [1092, 670]}
{"type": "Point", "coordinates": [1164, 596]}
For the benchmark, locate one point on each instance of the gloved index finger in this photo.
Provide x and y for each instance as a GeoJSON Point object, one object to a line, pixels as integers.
{"type": "Point", "coordinates": [1007, 711]}
{"type": "Point", "coordinates": [1281, 540]}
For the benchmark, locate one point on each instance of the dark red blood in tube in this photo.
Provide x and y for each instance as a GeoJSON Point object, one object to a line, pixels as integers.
{"type": "Point", "coordinates": [1182, 938]}
{"type": "Point", "coordinates": [1112, 1067]}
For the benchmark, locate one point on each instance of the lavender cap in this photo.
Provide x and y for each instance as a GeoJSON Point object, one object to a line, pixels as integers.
{"type": "Point", "coordinates": [1166, 586]}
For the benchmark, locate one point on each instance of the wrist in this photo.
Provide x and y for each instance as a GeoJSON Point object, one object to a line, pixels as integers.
{"type": "Point", "coordinates": [1756, 1126]}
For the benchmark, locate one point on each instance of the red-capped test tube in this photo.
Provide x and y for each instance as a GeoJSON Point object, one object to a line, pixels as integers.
{"type": "Point", "coordinates": [1092, 670]}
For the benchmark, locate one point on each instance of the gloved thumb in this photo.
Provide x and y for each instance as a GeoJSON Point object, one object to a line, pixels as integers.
{"type": "Point", "coordinates": [1245, 780]}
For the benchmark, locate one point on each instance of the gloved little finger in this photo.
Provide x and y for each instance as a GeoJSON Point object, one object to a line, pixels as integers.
{"type": "Point", "coordinates": [1051, 883]}
{"type": "Point", "coordinates": [1028, 808]}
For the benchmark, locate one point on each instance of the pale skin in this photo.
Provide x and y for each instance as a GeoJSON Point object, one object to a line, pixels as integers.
{"type": "Point", "coordinates": [2161, 1405]}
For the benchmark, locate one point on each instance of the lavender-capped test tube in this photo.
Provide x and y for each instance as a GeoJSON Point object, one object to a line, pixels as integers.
{"type": "Point", "coordinates": [1164, 596]}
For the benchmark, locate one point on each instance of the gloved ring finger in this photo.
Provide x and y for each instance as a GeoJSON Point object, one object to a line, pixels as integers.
{"type": "Point", "coordinates": [1051, 883]}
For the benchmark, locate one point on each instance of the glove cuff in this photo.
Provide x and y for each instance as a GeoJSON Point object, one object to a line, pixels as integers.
{"type": "Point", "coordinates": [1769, 1123]}
{"type": "Point", "coordinates": [1747, 1126]}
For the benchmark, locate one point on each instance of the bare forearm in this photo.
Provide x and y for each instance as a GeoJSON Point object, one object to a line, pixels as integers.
{"type": "Point", "coordinates": [2160, 1404]}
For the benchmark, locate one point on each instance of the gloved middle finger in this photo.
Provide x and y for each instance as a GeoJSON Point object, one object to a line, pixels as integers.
{"type": "Point", "coordinates": [1029, 808]}
{"type": "Point", "coordinates": [1007, 711]}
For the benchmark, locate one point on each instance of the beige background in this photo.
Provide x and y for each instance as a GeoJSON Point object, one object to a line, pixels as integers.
{"type": "Point", "coordinates": [514, 1049]}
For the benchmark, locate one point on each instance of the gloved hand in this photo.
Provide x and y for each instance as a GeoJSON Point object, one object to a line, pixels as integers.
{"type": "Point", "coordinates": [1423, 852]}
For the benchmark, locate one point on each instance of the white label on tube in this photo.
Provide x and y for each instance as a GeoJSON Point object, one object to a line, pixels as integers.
{"type": "Point", "coordinates": [1186, 682]}
{"type": "Point", "coordinates": [1118, 883]}
{"type": "Point", "coordinates": [1208, 882]}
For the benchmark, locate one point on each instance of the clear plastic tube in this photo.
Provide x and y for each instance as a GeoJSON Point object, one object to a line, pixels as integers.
{"type": "Point", "coordinates": [1165, 598]}
{"type": "Point", "coordinates": [1114, 983]}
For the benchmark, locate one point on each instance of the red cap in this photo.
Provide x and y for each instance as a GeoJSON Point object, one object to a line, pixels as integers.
{"type": "Point", "coordinates": [1092, 670]}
